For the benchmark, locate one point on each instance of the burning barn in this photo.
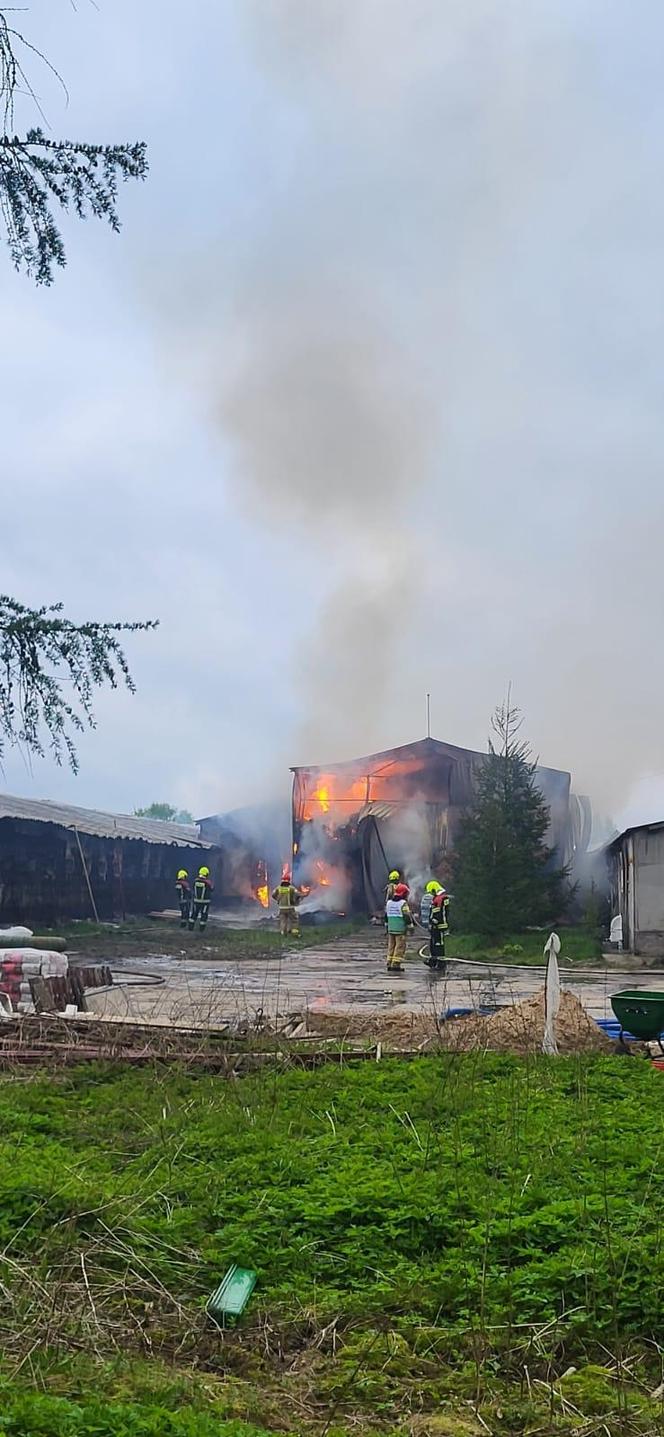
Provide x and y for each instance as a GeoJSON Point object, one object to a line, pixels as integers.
{"type": "Point", "coordinates": [256, 842]}
{"type": "Point", "coordinates": [353, 822]}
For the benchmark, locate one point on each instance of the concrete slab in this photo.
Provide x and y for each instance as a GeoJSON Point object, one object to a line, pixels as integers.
{"type": "Point", "coordinates": [347, 974]}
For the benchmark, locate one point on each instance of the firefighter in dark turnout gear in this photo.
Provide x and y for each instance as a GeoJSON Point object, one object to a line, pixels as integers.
{"type": "Point", "coordinates": [438, 925]}
{"type": "Point", "coordinates": [202, 895]}
{"type": "Point", "coordinates": [183, 889]}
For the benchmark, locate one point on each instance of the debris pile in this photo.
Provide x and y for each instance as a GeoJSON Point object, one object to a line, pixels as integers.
{"type": "Point", "coordinates": [19, 967]}
{"type": "Point", "coordinates": [518, 1028]}
{"type": "Point", "coordinates": [403, 1030]}
{"type": "Point", "coordinates": [32, 980]}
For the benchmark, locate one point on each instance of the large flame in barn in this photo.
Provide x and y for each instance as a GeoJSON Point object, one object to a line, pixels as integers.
{"type": "Point", "coordinates": [260, 889]}
{"type": "Point", "coordinates": [352, 822]}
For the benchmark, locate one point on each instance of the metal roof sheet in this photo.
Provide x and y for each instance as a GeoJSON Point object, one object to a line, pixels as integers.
{"type": "Point", "coordinates": [382, 810]}
{"type": "Point", "coordinates": [421, 749]}
{"type": "Point", "coordinates": [653, 827]}
{"type": "Point", "coordinates": [102, 825]}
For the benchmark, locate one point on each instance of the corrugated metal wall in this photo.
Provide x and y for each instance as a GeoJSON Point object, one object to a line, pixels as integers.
{"type": "Point", "coordinates": [648, 878]}
{"type": "Point", "coordinates": [42, 879]}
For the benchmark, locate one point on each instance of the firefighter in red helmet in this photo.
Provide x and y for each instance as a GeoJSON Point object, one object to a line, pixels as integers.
{"type": "Point", "coordinates": [287, 897]}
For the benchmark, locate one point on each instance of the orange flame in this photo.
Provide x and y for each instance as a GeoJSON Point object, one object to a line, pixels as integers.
{"type": "Point", "coordinates": [337, 796]}
{"type": "Point", "coordinates": [262, 895]}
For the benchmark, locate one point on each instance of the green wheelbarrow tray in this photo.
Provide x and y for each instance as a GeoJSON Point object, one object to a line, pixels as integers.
{"type": "Point", "coordinates": [233, 1293]}
{"type": "Point", "coordinates": [640, 1013]}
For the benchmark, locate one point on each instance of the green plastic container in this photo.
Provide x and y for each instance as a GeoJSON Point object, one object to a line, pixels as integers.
{"type": "Point", "coordinates": [640, 1013]}
{"type": "Point", "coordinates": [233, 1292]}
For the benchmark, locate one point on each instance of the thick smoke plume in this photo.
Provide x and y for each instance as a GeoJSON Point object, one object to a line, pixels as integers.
{"type": "Point", "coordinates": [437, 380]}
{"type": "Point", "coordinates": [333, 441]}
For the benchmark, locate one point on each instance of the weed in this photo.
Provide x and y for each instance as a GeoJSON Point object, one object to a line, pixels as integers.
{"type": "Point", "coordinates": [447, 1231]}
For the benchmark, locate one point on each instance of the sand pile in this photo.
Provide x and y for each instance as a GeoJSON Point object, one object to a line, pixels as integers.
{"type": "Point", "coordinates": [517, 1029]}
{"type": "Point", "coordinates": [405, 1029]}
{"type": "Point", "coordinates": [520, 1029]}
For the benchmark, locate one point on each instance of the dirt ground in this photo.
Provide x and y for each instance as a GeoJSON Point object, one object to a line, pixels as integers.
{"type": "Point", "coordinates": [165, 977]}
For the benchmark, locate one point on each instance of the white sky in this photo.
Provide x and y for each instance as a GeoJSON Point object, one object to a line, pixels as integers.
{"type": "Point", "coordinates": [366, 398]}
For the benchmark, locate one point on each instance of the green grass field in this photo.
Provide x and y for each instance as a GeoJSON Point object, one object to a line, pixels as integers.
{"type": "Point", "coordinates": [578, 946]}
{"type": "Point", "coordinates": [443, 1247]}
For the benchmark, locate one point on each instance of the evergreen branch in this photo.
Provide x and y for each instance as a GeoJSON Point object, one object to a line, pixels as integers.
{"type": "Point", "coordinates": [35, 171]}
{"type": "Point", "coordinates": [38, 174]}
{"type": "Point", "coordinates": [39, 651]}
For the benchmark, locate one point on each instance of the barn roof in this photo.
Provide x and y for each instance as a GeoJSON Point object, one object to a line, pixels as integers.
{"type": "Point", "coordinates": [102, 825]}
{"type": "Point", "coordinates": [422, 749]}
{"type": "Point", "coordinates": [653, 826]}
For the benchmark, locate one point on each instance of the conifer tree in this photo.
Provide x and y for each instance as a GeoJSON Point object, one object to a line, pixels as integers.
{"type": "Point", "coordinates": [506, 878]}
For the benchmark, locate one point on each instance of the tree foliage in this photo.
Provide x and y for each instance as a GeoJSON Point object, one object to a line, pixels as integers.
{"type": "Point", "coordinates": [41, 652]}
{"type": "Point", "coordinates": [505, 876]}
{"type": "Point", "coordinates": [165, 812]}
{"type": "Point", "coordinates": [38, 175]}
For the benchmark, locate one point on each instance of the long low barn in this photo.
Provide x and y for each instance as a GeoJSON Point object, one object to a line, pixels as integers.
{"type": "Point", "coordinates": [60, 862]}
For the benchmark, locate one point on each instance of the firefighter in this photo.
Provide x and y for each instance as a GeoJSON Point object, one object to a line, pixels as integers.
{"type": "Point", "coordinates": [202, 894]}
{"type": "Point", "coordinates": [392, 879]}
{"type": "Point", "coordinates": [399, 921]}
{"type": "Point", "coordinates": [438, 925]}
{"type": "Point", "coordinates": [287, 897]}
{"type": "Point", "coordinates": [183, 888]}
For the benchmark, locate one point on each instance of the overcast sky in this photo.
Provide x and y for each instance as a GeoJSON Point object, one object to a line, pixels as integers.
{"type": "Point", "coordinates": [365, 400]}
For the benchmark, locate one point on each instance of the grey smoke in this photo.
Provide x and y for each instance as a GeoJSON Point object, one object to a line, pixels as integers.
{"type": "Point", "coordinates": [437, 374]}
{"type": "Point", "coordinates": [332, 436]}
{"type": "Point", "coordinates": [333, 895]}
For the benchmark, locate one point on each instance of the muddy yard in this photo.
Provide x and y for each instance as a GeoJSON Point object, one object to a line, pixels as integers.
{"type": "Point", "coordinates": [164, 977]}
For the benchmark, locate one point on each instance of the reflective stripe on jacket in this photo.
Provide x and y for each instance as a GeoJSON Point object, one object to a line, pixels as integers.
{"type": "Point", "coordinates": [286, 895]}
{"type": "Point", "coordinates": [398, 916]}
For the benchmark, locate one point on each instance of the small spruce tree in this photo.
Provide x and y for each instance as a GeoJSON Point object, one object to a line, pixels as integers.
{"type": "Point", "coordinates": [505, 878]}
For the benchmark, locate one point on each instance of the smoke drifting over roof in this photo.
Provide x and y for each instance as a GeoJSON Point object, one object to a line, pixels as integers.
{"type": "Point", "coordinates": [437, 392]}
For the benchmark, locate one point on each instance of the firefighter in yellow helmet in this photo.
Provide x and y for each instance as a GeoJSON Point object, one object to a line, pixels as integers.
{"type": "Point", "coordinates": [183, 889]}
{"type": "Point", "coordinates": [392, 879]}
{"type": "Point", "coordinates": [287, 897]}
{"type": "Point", "coordinates": [399, 920]}
{"type": "Point", "coordinates": [200, 907]}
{"type": "Point", "coordinates": [438, 924]}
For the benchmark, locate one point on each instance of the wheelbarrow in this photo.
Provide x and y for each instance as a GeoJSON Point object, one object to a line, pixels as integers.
{"type": "Point", "coordinates": [640, 1014]}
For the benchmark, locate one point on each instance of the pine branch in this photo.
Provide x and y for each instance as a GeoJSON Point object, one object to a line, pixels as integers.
{"type": "Point", "coordinates": [38, 176]}
{"type": "Point", "coordinates": [39, 652]}
{"type": "Point", "coordinates": [36, 172]}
